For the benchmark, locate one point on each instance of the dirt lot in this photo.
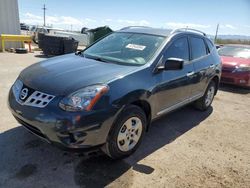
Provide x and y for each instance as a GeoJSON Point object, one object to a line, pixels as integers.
{"type": "Point", "coordinates": [186, 148]}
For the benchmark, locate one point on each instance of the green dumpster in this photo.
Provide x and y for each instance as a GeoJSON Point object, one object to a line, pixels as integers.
{"type": "Point", "coordinates": [97, 33]}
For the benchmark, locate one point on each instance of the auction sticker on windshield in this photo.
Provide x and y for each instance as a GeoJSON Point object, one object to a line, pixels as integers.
{"type": "Point", "coordinates": [136, 47]}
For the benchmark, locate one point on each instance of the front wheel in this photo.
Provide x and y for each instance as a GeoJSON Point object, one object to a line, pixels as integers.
{"type": "Point", "coordinates": [205, 102]}
{"type": "Point", "coordinates": [127, 132]}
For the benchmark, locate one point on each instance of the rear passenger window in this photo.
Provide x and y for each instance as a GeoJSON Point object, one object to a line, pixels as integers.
{"type": "Point", "coordinates": [178, 49]}
{"type": "Point", "coordinates": [198, 47]}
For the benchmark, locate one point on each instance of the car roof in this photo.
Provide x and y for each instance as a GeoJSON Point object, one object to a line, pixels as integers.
{"type": "Point", "coordinates": [146, 30]}
{"type": "Point", "coordinates": [162, 32]}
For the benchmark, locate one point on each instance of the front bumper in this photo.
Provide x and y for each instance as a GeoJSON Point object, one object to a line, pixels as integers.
{"type": "Point", "coordinates": [68, 130]}
{"type": "Point", "coordinates": [236, 78]}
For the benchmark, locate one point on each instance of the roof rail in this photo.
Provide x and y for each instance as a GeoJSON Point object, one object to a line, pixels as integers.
{"type": "Point", "coordinates": [188, 29]}
{"type": "Point", "coordinates": [128, 27]}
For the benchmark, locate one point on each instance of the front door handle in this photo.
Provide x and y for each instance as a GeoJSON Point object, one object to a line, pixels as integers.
{"type": "Point", "coordinates": [190, 74]}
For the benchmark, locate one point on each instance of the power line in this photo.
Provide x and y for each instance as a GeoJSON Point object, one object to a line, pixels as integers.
{"type": "Point", "coordinates": [44, 9]}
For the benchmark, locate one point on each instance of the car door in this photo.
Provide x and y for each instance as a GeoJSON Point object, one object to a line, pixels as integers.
{"type": "Point", "coordinates": [174, 86]}
{"type": "Point", "coordinates": [202, 64]}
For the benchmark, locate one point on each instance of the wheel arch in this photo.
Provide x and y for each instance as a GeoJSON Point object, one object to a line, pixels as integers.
{"type": "Point", "coordinates": [217, 81]}
{"type": "Point", "coordinates": [145, 106]}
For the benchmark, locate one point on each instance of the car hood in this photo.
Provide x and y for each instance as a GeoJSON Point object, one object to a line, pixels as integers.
{"type": "Point", "coordinates": [234, 61]}
{"type": "Point", "coordinates": [68, 73]}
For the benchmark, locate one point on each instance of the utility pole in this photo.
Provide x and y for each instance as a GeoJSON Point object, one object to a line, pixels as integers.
{"type": "Point", "coordinates": [215, 37]}
{"type": "Point", "coordinates": [44, 9]}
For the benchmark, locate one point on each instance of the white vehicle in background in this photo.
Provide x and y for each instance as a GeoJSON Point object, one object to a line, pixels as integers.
{"type": "Point", "coordinates": [83, 38]}
{"type": "Point", "coordinates": [34, 30]}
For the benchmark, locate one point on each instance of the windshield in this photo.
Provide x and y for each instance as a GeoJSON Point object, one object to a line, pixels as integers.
{"type": "Point", "coordinates": [128, 48]}
{"type": "Point", "coordinates": [235, 51]}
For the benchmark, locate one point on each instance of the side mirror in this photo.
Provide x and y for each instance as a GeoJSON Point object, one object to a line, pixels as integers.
{"type": "Point", "coordinates": [172, 64]}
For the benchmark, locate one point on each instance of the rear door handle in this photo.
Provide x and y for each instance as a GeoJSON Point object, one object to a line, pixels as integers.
{"type": "Point", "coordinates": [212, 66]}
{"type": "Point", "coordinates": [190, 74]}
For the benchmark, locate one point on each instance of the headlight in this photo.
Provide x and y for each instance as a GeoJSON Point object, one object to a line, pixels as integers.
{"type": "Point", "coordinates": [16, 88]}
{"type": "Point", "coordinates": [242, 68]}
{"type": "Point", "coordinates": [83, 99]}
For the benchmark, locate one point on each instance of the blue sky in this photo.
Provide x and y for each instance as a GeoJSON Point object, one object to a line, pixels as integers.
{"type": "Point", "coordinates": [232, 15]}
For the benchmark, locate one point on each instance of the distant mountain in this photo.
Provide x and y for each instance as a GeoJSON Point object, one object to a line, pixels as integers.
{"type": "Point", "coordinates": [235, 37]}
{"type": "Point", "coordinates": [232, 37]}
{"type": "Point", "coordinates": [224, 37]}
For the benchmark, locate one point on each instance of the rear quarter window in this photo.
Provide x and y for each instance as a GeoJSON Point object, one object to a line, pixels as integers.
{"type": "Point", "coordinates": [198, 47]}
{"type": "Point", "coordinates": [210, 45]}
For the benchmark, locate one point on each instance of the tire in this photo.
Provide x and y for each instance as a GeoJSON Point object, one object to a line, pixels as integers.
{"type": "Point", "coordinates": [131, 123]}
{"type": "Point", "coordinates": [21, 50]}
{"type": "Point", "coordinates": [206, 100]}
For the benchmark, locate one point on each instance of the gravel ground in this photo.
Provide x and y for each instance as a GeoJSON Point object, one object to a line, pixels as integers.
{"type": "Point", "coordinates": [186, 148]}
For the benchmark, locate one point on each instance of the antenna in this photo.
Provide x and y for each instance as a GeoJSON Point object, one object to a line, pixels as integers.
{"type": "Point", "coordinates": [44, 9]}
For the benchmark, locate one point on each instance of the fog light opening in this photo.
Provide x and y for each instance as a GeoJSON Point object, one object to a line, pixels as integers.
{"type": "Point", "coordinates": [72, 138]}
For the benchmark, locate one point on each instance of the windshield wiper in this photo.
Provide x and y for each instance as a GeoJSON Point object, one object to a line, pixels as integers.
{"type": "Point", "coordinates": [97, 58]}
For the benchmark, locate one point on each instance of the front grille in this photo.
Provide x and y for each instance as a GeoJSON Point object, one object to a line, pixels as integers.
{"type": "Point", "coordinates": [38, 99]}
{"type": "Point", "coordinates": [227, 80]}
{"type": "Point", "coordinates": [228, 69]}
{"type": "Point", "coordinates": [34, 98]}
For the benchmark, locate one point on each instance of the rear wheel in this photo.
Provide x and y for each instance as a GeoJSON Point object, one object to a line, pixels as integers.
{"type": "Point", "coordinates": [126, 133]}
{"type": "Point", "coordinates": [205, 102]}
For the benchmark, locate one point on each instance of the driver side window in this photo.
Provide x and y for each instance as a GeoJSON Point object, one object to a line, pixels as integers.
{"type": "Point", "coordinates": [178, 49]}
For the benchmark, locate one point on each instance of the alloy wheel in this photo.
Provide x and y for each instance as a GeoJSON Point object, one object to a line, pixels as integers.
{"type": "Point", "coordinates": [209, 96]}
{"type": "Point", "coordinates": [129, 134]}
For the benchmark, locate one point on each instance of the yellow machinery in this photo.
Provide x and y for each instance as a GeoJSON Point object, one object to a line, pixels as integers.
{"type": "Point", "coordinates": [15, 38]}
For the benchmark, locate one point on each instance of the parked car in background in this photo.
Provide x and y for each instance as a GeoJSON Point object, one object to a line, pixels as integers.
{"type": "Point", "coordinates": [235, 64]}
{"type": "Point", "coordinates": [24, 27]}
{"type": "Point", "coordinates": [218, 46]}
{"type": "Point", "coordinates": [107, 95]}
